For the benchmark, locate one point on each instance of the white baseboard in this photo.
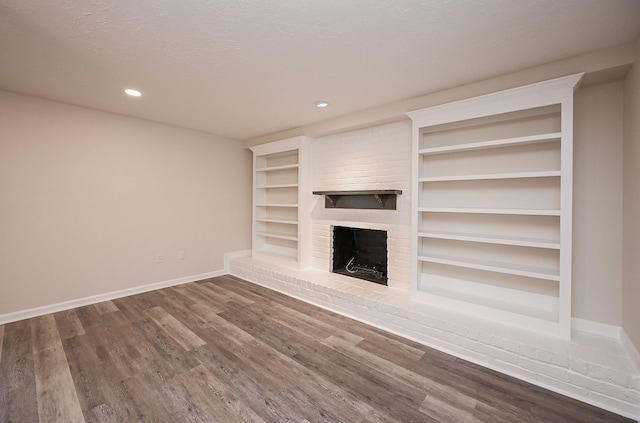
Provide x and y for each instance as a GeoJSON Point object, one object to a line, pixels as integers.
{"type": "Point", "coordinates": [595, 328]}
{"type": "Point", "coordinates": [80, 302]}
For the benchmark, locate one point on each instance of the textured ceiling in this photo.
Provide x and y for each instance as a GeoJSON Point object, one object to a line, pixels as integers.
{"type": "Point", "coordinates": [245, 68]}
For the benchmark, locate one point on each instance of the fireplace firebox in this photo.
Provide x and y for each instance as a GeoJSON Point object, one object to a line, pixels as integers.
{"type": "Point", "coordinates": [360, 253]}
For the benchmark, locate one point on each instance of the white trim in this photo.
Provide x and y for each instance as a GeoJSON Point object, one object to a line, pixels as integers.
{"type": "Point", "coordinates": [528, 96]}
{"type": "Point", "coordinates": [630, 348]}
{"type": "Point", "coordinates": [232, 255]}
{"type": "Point", "coordinates": [80, 302]}
{"type": "Point", "coordinates": [595, 328]}
{"type": "Point", "coordinates": [292, 143]}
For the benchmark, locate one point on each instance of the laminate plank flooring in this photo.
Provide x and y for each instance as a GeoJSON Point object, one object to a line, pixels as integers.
{"type": "Point", "coordinates": [225, 350]}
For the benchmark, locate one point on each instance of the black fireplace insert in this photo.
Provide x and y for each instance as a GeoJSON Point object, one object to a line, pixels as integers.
{"type": "Point", "coordinates": [360, 253]}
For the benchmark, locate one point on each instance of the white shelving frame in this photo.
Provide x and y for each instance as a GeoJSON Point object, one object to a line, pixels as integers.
{"type": "Point", "coordinates": [497, 242]}
{"type": "Point", "coordinates": [281, 214]}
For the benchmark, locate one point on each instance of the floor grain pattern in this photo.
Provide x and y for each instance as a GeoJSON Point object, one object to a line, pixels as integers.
{"type": "Point", "coordinates": [225, 350]}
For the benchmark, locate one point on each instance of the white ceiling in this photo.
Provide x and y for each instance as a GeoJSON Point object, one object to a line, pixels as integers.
{"type": "Point", "coordinates": [246, 68]}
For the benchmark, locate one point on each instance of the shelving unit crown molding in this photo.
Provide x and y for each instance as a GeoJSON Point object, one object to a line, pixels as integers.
{"type": "Point", "coordinates": [273, 147]}
{"type": "Point", "coordinates": [538, 94]}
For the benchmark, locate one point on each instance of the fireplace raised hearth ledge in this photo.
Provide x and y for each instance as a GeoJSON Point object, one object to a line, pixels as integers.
{"type": "Point", "coordinates": [384, 199]}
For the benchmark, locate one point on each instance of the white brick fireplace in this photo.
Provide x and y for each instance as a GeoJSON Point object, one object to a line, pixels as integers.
{"type": "Point", "coordinates": [369, 159]}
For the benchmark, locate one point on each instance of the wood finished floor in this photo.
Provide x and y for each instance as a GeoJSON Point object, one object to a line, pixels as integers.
{"type": "Point", "coordinates": [225, 350]}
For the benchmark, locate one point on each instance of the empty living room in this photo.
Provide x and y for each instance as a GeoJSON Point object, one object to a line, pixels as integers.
{"type": "Point", "coordinates": [320, 211]}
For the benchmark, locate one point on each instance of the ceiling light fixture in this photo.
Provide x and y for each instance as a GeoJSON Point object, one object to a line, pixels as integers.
{"type": "Point", "coordinates": [321, 104]}
{"type": "Point", "coordinates": [133, 93]}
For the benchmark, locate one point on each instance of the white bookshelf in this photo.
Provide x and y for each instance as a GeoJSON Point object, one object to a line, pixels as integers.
{"type": "Point", "coordinates": [493, 204]}
{"type": "Point", "coordinates": [280, 182]}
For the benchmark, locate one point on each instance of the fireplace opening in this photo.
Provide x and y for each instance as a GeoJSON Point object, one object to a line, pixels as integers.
{"type": "Point", "coordinates": [360, 253]}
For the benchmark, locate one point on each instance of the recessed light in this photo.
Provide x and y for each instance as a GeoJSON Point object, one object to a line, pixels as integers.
{"type": "Point", "coordinates": [321, 104]}
{"type": "Point", "coordinates": [133, 93]}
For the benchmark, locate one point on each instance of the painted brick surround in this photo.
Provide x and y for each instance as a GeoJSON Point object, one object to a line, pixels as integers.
{"type": "Point", "coordinates": [367, 159]}
{"type": "Point", "coordinates": [600, 370]}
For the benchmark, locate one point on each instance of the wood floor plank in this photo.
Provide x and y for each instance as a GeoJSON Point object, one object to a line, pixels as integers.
{"type": "Point", "coordinates": [105, 307]}
{"type": "Point", "coordinates": [388, 396]}
{"type": "Point", "coordinates": [127, 334]}
{"type": "Point", "coordinates": [146, 402]}
{"type": "Point", "coordinates": [301, 322]}
{"type": "Point", "coordinates": [246, 290]}
{"type": "Point", "coordinates": [176, 296]}
{"type": "Point", "coordinates": [225, 367]}
{"type": "Point", "coordinates": [165, 346]}
{"type": "Point", "coordinates": [443, 411]}
{"type": "Point", "coordinates": [247, 351]}
{"type": "Point", "coordinates": [145, 300]}
{"type": "Point", "coordinates": [176, 330]}
{"type": "Point", "coordinates": [225, 296]}
{"type": "Point", "coordinates": [117, 359]}
{"type": "Point", "coordinates": [87, 370]}
{"type": "Point", "coordinates": [98, 379]}
{"type": "Point", "coordinates": [203, 291]}
{"type": "Point", "coordinates": [18, 399]}
{"type": "Point", "coordinates": [56, 393]}
{"type": "Point", "coordinates": [187, 402]}
{"type": "Point", "coordinates": [296, 378]}
{"type": "Point", "coordinates": [191, 314]}
{"type": "Point", "coordinates": [332, 365]}
{"type": "Point", "coordinates": [229, 407]}
{"type": "Point", "coordinates": [1, 340]}
{"type": "Point", "coordinates": [449, 372]}
{"type": "Point", "coordinates": [131, 308]}
{"type": "Point", "coordinates": [44, 333]}
{"type": "Point", "coordinates": [226, 350]}
{"type": "Point", "coordinates": [199, 298]}
{"type": "Point", "coordinates": [294, 318]}
{"type": "Point", "coordinates": [69, 324]}
{"type": "Point", "coordinates": [430, 388]}
{"type": "Point", "coordinates": [124, 405]}
{"type": "Point", "coordinates": [250, 355]}
{"type": "Point", "coordinates": [527, 397]}
{"type": "Point", "coordinates": [88, 316]}
{"type": "Point", "coordinates": [392, 350]}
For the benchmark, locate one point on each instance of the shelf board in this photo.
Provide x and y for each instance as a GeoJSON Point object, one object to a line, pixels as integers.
{"type": "Point", "coordinates": [278, 186]}
{"type": "Point", "coordinates": [282, 221]}
{"type": "Point", "coordinates": [277, 205]}
{"type": "Point", "coordinates": [491, 144]}
{"type": "Point", "coordinates": [533, 306]}
{"type": "Point", "coordinates": [278, 236]}
{"type": "Point", "coordinates": [272, 168]}
{"type": "Point", "coordinates": [491, 266]}
{"type": "Point", "coordinates": [512, 175]}
{"type": "Point", "coordinates": [529, 212]}
{"type": "Point", "coordinates": [487, 239]}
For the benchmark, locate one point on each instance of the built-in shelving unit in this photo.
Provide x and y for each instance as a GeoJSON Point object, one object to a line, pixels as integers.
{"type": "Point", "coordinates": [493, 204]}
{"type": "Point", "coordinates": [280, 181]}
